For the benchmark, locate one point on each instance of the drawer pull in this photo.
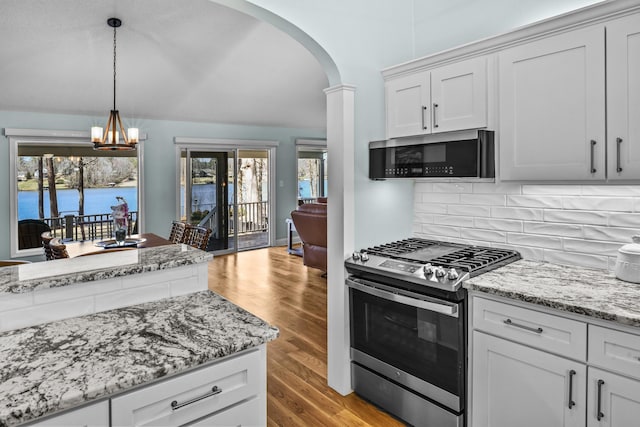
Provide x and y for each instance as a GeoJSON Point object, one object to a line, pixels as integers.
{"type": "Point", "coordinates": [571, 402]}
{"type": "Point", "coordinates": [215, 390]}
{"type": "Point", "coordinates": [527, 328]}
{"type": "Point", "coordinates": [600, 413]}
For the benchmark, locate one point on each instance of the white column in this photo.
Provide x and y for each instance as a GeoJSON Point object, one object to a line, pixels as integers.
{"type": "Point", "coordinates": [340, 230]}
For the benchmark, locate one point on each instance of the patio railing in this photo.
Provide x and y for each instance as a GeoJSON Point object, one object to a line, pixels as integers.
{"type": "Point", "coordinates": [87, 227]}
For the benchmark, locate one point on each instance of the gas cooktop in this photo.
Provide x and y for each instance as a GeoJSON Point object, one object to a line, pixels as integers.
{"type": "Point", "coordinates": [432, 263]}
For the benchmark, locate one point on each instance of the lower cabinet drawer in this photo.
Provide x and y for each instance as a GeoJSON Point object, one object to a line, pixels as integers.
{"type": "Point", "coordinates": [614, 350]}
{"type": "Point", "coordinates": [93, 415]}
{"type": "Point", "coordinates": [541, 330]}
{"type": "Point", "coordinates": [245, 414]}
{"type": "Point", "coordinates": [192, 396]}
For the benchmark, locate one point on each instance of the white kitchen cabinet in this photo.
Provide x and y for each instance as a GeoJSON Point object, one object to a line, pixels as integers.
{"type": "Point", "coordinates": [623, 98]}
{"type": "Point", "coordinates": [447, 98]}
{"type": "Point", "coordinates": [93, 415]}
{"type": "Point", "coordinates": [515, 385]}
{"type": "Point", "coordinates": [614, 400]}
{"type": "Point", "coordinates": [233, 389]}
{"type": "Point", "coordinates": [552, 107]}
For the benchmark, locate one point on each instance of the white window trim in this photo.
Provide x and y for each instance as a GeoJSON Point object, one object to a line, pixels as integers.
{"type": "Point", "coordinates": [220, 144]}
{"type": "Point", "coordinates": [17, 136]}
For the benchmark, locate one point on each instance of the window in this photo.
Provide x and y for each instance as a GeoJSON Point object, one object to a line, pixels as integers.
{"type": "Point", "coordinates": [312, 170]}
{"type": "Point", "coordinates": [60, 183]}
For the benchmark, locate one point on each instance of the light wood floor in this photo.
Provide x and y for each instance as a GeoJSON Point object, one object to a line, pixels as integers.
{"type": "Point", "coordinates": [275, 286]}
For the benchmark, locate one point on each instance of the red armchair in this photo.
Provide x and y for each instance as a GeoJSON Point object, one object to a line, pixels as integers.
{"type": "Point", "coordinates": [310, 220]}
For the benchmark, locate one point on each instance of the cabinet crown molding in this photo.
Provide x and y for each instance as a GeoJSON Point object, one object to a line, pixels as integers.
{"type": "Point", "coordinates": [590, 15]}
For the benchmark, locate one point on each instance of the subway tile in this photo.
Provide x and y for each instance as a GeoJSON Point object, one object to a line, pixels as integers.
{"type": "Point", "coordinates": [154, 277]}
{"type": "Point", "coordinates": [423, 218]}
{"type": "Point", "coordinates": [187, 286]}
{"type": "Point", "coordinates": [452, 187]}
{"type": "Point", "coordinates": [131, 296]}
{"type": "Point", "coordinates": [551, 189]}
{"type": "Point", "coordinates": [545, 242]}
{"type": "Point", "coordinates": [611, 190]}
{"type": "Point", "coordinates": [497, 188]}
{"type": "Point", "coordinates": [441, 198]}
{"type": "Point", "coordinates": [423, 187]}
{"type": "Point", "coordinates": [593, 247]}
{"type": "Point", "coordinates": [553, 229]}
{"type": "Point", "coordinates": [79, 290]}
{"type": "Point", "coordinates": [453, 220]}
{"type": "Point", "coordinates": [483, 199]}
{"type": "Point", "coordinates": [611, 234]}
{"type": "Point", "coordinates": [498, 224]}
{"type": "Point", "coordinates": [478, 211]}
{"type": "Point", "coordinates": [576, 217]}
{"type": "Point", "coordinates": [598, 203]}
{"type": "Point", "coordinates": [572, 258]}
{"type": "Point", "coordinates": [431, 208]}
{"type": "Point", "coordinates": [440, 230]}
{"type": "Point", "coordinates": [534, 201]}
{"type": "Point", "coordinates": [624, 219]}
{"type": "Point", "coordinates": [526, 252]}
{"type": "Point", "coordinates": [525, 214]}
{"type": "Point", "coordinates": [483, 235]}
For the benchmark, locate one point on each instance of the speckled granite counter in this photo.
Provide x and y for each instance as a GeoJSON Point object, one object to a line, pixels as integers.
{"type": "Point", "coordinates": [593, 293]}
{"type": "Point", "coordinates": [43, 275]}
{"type": "Point", "coordinates": [59, 365]}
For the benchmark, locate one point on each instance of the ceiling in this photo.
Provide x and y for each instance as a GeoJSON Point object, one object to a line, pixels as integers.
{"type": "Point", "coordinates": [187, 60]}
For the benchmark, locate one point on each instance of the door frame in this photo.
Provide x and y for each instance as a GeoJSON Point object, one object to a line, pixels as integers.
{"type": "Point", "coordinates": [215, 144]}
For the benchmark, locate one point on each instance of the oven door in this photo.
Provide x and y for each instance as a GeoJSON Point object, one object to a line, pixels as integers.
{"type": "Point", "coordinates": [411, 339]}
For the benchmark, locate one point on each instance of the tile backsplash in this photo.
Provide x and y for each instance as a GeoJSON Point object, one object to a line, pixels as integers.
{"type": "Point", "coordinates": [564, 224]}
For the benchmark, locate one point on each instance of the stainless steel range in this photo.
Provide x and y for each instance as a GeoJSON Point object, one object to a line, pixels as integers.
{"type": "Point", "coordinates": [408, 317]}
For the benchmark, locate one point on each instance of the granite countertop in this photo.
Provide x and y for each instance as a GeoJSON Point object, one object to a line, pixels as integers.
{"type": "Point", "coordinates": [51, 274]}
{"type": "Point", "coordinates": [59, 365]}
{"type": "Point", "coordinates": [590, 292]}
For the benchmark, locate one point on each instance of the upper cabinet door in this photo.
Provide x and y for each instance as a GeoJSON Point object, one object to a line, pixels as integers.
{"type": "Point", "coordinates": [459, 96]}
{"type": "Point", "coordinates": [408, 99]}
{"type": "Point", "coordinates": [552, 108]}
{"type": "Point", "coordinates": [623, 98]}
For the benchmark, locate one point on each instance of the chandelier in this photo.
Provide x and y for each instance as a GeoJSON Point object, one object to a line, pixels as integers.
{"type": "Point", "coordinates": [110, 139]}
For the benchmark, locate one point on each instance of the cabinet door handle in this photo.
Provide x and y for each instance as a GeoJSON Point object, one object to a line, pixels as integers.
{"type": "Point", "coordinates": [600, 413]}
{"type": "Point", "coordinates": [618, 143]}
{"type": "Point", "coordinates": [423, 112]}
{"type": "Point", "coordinates": [571, 402]}
{"type": "Point", "coordinates": [525, 327]}
{"type": "Point", "coordinates": [175, 405]}
{"type": "Point", "coordinates": [435, 116]}
{"type": "Point", "coordinates": [593, 146]}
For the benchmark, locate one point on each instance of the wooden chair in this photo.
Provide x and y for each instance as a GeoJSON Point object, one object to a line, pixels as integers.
{"type": "Point", "coordinates": [177, 233]}
{"type": "Point", "coordinates": [196, 236]}
{"type": "Point", "coordinates": [58, 249]}
{"type": "Point", "coordinates": [46, 238]}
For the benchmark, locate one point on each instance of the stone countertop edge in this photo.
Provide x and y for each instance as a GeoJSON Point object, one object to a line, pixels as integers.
{"type": "Point", "coordinates": [148, 259]}
{"type": "Point", "coordinates": [581, 290]}
{"type": "Point", "coordinates": [64, 364]}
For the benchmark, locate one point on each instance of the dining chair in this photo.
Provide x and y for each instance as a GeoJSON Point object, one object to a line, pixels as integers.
{"type": "Point", "coordinates": [198, 237]}
{"type": "Point", "coordinates": [58, 249]}
{"type": "Point", "coordinates": [46, 238]}
{"type": "Point", "coordinates": [177, 233]}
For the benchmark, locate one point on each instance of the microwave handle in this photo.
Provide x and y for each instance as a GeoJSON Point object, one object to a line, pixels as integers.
{"type": "Point", "coordinates": [449, 310]}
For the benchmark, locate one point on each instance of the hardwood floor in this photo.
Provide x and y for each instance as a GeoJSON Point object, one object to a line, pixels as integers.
{"type": "Point", "coordinates": [275, 286]}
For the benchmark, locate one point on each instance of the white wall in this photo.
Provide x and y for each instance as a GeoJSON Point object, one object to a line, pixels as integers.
{"type": "Point", "coordinates": [580, 225]}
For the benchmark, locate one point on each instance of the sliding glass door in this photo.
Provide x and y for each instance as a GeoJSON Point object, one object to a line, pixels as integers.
{"type": "Point", "coordinates": [227, 191]}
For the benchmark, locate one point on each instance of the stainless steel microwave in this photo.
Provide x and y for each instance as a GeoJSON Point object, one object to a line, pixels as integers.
{"type": "Point", "coordinates": [444, 155]}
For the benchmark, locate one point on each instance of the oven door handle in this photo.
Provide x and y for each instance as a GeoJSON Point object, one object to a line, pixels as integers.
{"type": "Point", "coordinates": [438, 307]}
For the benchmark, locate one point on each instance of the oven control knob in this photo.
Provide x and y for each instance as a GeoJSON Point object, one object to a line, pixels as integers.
{"type": "Point", "coordinates": [452, 274]}
{"type": "Point", "coordinates": [355, 256]}
{"type": "Point", "coordinates": [440, 272]}
{"type": "Point", "coordinates": [364, 256]}
{"type": "Point", "coordinates": [428, 269]}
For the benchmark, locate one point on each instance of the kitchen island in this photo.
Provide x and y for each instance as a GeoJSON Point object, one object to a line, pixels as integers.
{"type": "Point", "coordinates": [127, 338]}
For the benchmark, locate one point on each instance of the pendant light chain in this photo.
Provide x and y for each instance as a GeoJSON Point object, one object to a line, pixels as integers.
{"type": "Point", "coordinates": [114, 67]}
